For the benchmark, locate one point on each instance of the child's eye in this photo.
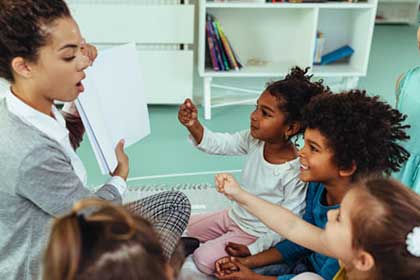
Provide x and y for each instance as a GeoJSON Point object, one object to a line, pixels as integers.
{"type": "Point", "coordinates": [313, 148]}
{"type": "Point", "coordinates": [68, 59]}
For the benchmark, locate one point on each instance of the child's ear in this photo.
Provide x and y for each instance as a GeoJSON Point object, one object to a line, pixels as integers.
{"type": "Point", "coordinates": [348, 172]}
{"type": "Point", "coordinates": [293, 128]}
{"type": "Point", "coordinates": [21, 67]}
{"type": "Point", "coordinates": [364, 261]}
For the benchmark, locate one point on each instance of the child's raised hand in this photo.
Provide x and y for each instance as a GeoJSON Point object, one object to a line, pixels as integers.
{"type": "Point", "coordinates": [187, 113]}
{"type": "Point", "coordinates": [227, 184]}
{"type": "Point", "coordinates": [90, 51]}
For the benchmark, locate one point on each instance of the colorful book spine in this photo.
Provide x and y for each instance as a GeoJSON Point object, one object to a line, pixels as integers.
{"type": "Point", "coordinates": [211, 48]}
{"type": "Point", "coordinates": [220, 45]}
{"type": "Point", "coordinates": [235, 56]}
{"type": "Point", "coordinates": [226, 46]}
{"type": "Point", "coordinates": [219, 50]}
{"type": "Point", "coordinates": [215, 45]}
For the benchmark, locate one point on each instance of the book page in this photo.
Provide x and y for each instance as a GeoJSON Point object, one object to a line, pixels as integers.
{"type": "Point", "coordinates": [114, 103]}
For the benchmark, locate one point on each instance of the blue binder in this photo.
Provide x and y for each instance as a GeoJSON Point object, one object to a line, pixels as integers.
{"type": "Point", "coordinates": [336, 55]}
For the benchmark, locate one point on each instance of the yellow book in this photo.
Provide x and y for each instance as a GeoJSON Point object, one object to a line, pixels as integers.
{"type": "Point", "coordinates": [226, 45]}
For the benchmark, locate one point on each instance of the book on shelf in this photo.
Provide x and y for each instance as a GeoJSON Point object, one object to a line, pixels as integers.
{"type": "Point", "coordinates": [113, 106]}
{"type": "Point", "coordinates": [220, 46]}
{"type": "Point", "coordinates": [216, 45]}
{"type": "Point", "coordinates": [319, 47]}
{"type": "Point", "coordinates": [337, 54]}
{"type": "Point", "coordinates": [221, 56]}
{"type": "Point", "coordinates": [211, 48]}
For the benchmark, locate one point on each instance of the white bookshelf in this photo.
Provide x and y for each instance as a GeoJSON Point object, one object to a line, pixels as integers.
{"type": "Point", "coordinates": [282, 35]}
{"type": "Point", "coordinates": [163, 31]}
{"type": "Point", "coordinates": [397, 11]}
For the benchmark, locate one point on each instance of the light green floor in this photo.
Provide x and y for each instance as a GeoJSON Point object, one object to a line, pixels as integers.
{"type": "Point", "coordinates": [167, 151]}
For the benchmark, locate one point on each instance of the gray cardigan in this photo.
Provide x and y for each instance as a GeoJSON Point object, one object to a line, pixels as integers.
{"type": "Point", "coordinates": [37, 183]}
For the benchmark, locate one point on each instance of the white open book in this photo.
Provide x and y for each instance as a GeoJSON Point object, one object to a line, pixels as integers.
{"type": "Point", "coordinates": [113, 105]}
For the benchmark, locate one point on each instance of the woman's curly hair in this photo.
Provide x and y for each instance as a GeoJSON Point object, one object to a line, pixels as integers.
{"type": "Point", "coordinates": [294, 92]}
{"type": "Point", "coordinates": [21, 29]}
{"type": "Point", "coordinates": [360, 129]}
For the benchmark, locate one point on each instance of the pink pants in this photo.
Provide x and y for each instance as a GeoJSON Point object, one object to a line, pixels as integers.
{"type": "Point", "coordinates": [216, 230]}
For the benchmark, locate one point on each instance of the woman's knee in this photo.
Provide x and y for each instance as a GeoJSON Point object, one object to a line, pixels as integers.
{"type": "Point", "coordinates": [180, 200]}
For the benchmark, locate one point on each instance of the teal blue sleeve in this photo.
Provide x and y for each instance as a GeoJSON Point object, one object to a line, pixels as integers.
{"type": "Point", "coordinates": [290, 251]}
{"type": "Point", "coordinates": [329, 269]}
{"type": "Point", "coordinates": [286, 277]}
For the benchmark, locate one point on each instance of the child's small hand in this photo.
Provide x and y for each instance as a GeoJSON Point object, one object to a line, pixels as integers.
{"type": "Point", "coordinates": [90, 51]}
{"type": "Point", "coordinates": [242, 272]}
{"type": "Point", "coordinates": [237, 250]}
{"type": "Point", "coordinates": [187, 113]}
{"type": "Point", "coordinates": [226, 184]}
{"type": "Point", "coordinates": [225, 266]}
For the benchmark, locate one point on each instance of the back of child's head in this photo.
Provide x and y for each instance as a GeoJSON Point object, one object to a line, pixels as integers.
{"type": "Point", "coordinates": [294, 92]}
{"type": "Point", "coordinates": [109, 243]}
{"type": "Point", "coordinates": [22, 30]}
{"type": "Point", "coordinates": [387, 226]}
{"type": "Point", "coordinates": [360, 130]}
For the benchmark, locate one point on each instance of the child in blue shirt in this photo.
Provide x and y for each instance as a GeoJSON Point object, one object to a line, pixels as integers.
{"type": "Point", "coordinates": [347, 136]}
{"type": "Point", "coordinates": [316, 214]}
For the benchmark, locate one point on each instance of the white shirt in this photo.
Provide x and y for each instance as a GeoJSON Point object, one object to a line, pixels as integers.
{"type": "Point", "coordinates": [56, 129]}
{"type": "Point", "coordinates": [276, 183]}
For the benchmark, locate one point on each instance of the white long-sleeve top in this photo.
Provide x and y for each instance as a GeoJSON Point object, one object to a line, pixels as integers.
{"type": "Point", "coordinates": [277, 183]}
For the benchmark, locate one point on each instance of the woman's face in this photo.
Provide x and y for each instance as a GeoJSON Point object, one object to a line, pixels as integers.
{"type": "Point", "coordinates": [59, 69]}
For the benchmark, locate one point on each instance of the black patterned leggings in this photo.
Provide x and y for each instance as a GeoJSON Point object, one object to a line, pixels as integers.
{"type": "Point", "coordinates": [169, 213]}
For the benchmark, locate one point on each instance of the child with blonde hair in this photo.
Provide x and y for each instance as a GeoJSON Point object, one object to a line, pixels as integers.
{"type": "Point", "coordinates": [99, 240]}
{"type": "Point", "coordinates": [375, 233]}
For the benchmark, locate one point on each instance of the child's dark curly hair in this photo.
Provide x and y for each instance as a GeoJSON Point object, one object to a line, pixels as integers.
{"type": "Point", "coordinates": [359, 129]}
{"type": "Point", "coordinates": [294, 92]}
{"type": "Point", "coordinates": [21, 32]}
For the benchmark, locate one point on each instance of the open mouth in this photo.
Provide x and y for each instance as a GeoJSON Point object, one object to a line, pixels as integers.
{"type": "Point", "coordinates": [303, 167]}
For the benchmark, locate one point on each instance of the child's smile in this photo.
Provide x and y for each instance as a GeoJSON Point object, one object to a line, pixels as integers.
{"type": "Point", "coordinates": [316, 159]}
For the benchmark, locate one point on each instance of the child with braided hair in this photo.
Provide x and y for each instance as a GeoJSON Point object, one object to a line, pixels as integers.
{"type": "Point", "coordinates": [271, 169]}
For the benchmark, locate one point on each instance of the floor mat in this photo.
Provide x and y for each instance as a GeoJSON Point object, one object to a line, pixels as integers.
{"type": "Point", "coordinates": [190, 272]}
{"type": "Point", "coordinates": [204, 197]}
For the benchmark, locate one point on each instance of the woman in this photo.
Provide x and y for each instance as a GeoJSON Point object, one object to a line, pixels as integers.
{"type": "Point", "coordinates": [43, 56]}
